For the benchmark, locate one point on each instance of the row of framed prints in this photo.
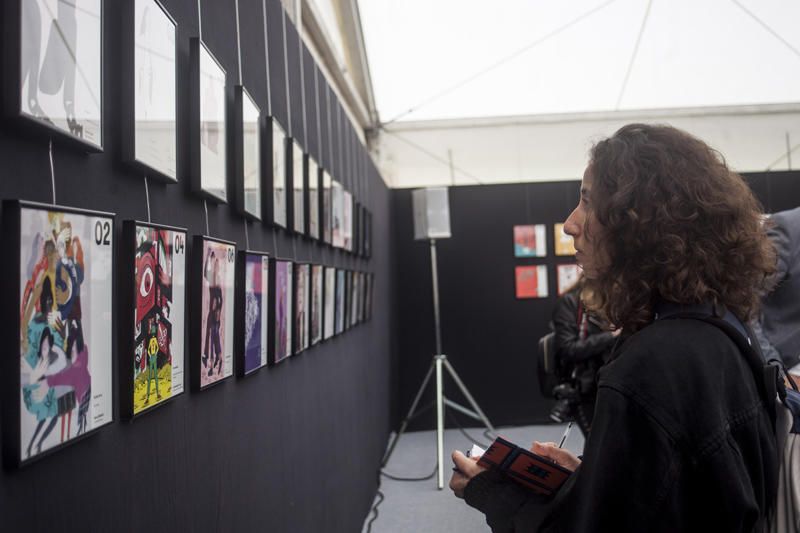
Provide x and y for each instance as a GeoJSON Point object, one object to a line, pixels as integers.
{"type": "Point", "coordinates": [56, 88]}
{"type": "Point", "coordinates": [245, 310]}
{"type": "Point", "coordinates": [531, 281]}
{"type": "Point", "coordinates": [531, 241]}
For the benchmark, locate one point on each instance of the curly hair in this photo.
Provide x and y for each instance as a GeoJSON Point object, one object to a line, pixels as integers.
{"type": "Point", "coordinates": [677, 225]}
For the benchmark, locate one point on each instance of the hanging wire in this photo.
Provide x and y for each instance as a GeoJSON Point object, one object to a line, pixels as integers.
{"type": "Point", "coordinates": [302, 84]}
{"type": "Point", "coordinates": [238, 42]}
{"type": "Point", "coordinates": [430, 154]}
{"type": "Point", "coordinates": [286, 71]}
{"type": "Point", "coordinates": [266, 56]}
{"type": "Point", "coordinates": [274, 242]}
{"type": "Point", "coordinates": [768, 28]}
{"type": "Point", "coordinates": [316, 99]}
{"type": "Point", "coordinates": [246, 235]}
{"type": "Point", "coordinates": [205, 207]}
{"type": "Point", "coordinates": [199, 20]}
{"type": "Point", "coordinates": [52, 170]}
{"type": "Point", "coordinates": [633, 55]}
{"type": "Point", "coordinates": [147, 197]}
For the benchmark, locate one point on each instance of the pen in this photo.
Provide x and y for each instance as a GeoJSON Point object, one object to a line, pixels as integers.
{"type": "Point", "coordinates": [566, 434]}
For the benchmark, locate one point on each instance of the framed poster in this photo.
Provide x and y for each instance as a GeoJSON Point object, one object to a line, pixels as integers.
{"type": "Point", "coordinates": [347, 221]}
{"type": "Point", "coordinates": [207, 134]}
{"type": "Point", "coordinates": [530, 241]}
{"type": "Point", "coordinates": [567, 276]}
{"type": "Point", "coordinates": [327, 208]}
{"type": "Point", "coordinates": [531, 281]}
{"type": "Point", "coordinates": [370, 284]}
{"type": "Point", "coordinates": [275, 199]}
{"type": "Point", "coordinates": [337, 214]}
{"type": "Point", "coordinates": [362, 289]}
{"type": "Point", "coordinates": [353, 298]}
{"type": "Point", "coordinates": [317, 283]}
{"type": "Point", "coordinates": [281, 274]}
{"type": "Point", "coordinates": [339, 308]}
{"type": "Point", "coordinates": [55, 56]}
{"type": "Point", "coordinates": [153, 303]}
{"type": "Point", "coordinates": [348, 299]}
{"type": "Point", "coordinates": [211, 323]}
{"type": "Point", "coordinates": [367, 233]}
{"type": "Point", "coordinates": [328, 324]}
{"type": "Point", "coordinates": [150, 135]}
{"type": "Point", "coordinates": [246, 153]}
{"type": "Point", "coordinates": [564, 243]}
{"type": "Point", "coordinates": [57, 307]}
{"type": "Point", "coordinates": [252, 311]}
{"type": "Point", "coordinates": [295, 172]}
{"type": "Point", "coordinates": [302, 278]}
{"type": "Point", "coordinates": [312, 178]}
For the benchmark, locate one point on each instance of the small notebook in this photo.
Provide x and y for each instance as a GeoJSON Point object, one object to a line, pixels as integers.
{"type": "Point", "coordinates": [537, 473]}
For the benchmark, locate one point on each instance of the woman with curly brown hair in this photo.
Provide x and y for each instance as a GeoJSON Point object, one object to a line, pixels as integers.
{"type": "Point", "coordinates": [681, 440]}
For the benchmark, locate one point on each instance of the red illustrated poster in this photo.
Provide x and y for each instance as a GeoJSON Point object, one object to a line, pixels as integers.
{"type": "Point", "coordinates": [531, 281]}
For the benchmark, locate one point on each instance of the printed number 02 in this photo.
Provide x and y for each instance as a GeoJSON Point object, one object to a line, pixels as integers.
{"type": "Point", "coordinates": [102, 232]}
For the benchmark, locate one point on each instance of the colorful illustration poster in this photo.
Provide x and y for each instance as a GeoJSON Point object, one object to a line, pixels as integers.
{"type": "Point", "coordinates": [316, 303]}
{"type": "Point", "coordinates": [303, 281]}
{"type": "Point", "coordinates": [160, 285]}
{"type": "Point", "coordinates": [340, 288]}
{"type": "Point", "coordinates": [216, 311]}
{"type": "Point", "coordinates": [256, 299]}
{"type": "Point", "coordinates": [530, 241]}
{"type": "Point", "coordinates": [564, 243]}
{"type": "Point", "coordinates": [61, 66]}
{"type": "Point", "coordinates": [330, 301]}
{"type": "Point", "coordinates": [278, 175]}
{"type": "Point", "coordinates": [313, 198]}
{"type": "Point", "coordinates": [531, 281]}
{"type": "Point", "coordinates": [283, 310]}
{"type": "Point", "coordinates": [65, 297]}
{"type": "Point", "coordinates": [567, 276]}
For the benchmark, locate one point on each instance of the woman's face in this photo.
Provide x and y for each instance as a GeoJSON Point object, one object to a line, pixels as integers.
{"type": "Point", "coordinates": [586, 231]}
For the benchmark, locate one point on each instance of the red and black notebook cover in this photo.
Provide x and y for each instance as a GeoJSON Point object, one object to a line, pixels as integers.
{"type": "Point", "coordinates": [535, 472]}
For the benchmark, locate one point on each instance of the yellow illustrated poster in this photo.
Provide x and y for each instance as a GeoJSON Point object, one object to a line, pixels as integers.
{"type": "Point", "coordinates": [564, 244]}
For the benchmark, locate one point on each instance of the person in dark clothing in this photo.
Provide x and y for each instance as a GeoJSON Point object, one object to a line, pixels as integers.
{"type": "Point", "coordinates": [583, 344]}
{"type": "Point", "coordinates": [681, 440]}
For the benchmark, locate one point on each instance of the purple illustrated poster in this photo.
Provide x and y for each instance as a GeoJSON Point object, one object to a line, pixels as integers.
{"type": "Point", "coordinates": [256, 292]}
{"type": "Point", "coordinates": [303, 280]}
{"type": "Point", "coordinates": [316, 303]}
{"type": "Point", "coordinates": [283, 310]}
{"type": "Point", "coordinates": [330, 300]}
{"type": "Point", "coordinates": [216, 311]}
{"type": "Point", "coordinates": [63, 302]}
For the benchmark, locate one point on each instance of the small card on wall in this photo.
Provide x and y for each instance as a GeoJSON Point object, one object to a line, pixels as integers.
{"type": "Point", "coordinates": [567, 276]}
{"type": "Point", "coordinates": [564, 243]}
{"type": "Point", "coordinates": [530, 241]}
{"type": "Point", "coordinates": [531, 281]}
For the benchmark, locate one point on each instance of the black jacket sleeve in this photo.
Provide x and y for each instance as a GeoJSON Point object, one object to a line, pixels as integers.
{"type": "Point", "coordinates": [569, 347]}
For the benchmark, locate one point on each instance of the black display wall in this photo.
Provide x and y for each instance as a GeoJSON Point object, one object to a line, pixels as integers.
{"type": "Point", "coordinates": [489, 336]}
{"type": "Point", "coordinates": [292, 448]}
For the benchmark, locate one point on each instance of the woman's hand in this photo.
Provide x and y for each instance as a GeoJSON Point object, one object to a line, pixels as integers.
{"type": "Point", "coordinates": [468, 468]}
{"type": "Point", "coordinates": [560, 456]}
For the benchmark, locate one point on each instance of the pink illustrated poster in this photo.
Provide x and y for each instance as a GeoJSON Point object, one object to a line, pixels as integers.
{"type": "Point", "coordinates": [283, 310]}
{"type": "Point", "coordinates": [216, 361]}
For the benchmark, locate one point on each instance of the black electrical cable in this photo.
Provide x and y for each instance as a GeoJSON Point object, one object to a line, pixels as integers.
{"type": "Point", "coordinates": [396, 478]}
{"type": "Point", "coordinates": [469, 437]}
{"type": "Point", "coordinates": [374, 509]}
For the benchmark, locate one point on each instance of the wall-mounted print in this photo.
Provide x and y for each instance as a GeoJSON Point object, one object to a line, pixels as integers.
{"type": "Point", "coordinates": [362, 288]}
{"type": "Point", "coordinates": [246, 153]}
{"type": "Point", "coordinates": [312, 176]}
{"type": "Point", "coordinates": [153, 303]}
{"type": "Point", "coordinates": [275, 199]}
{"type": "Point", "coordinates": [213, 311]}
{"type": "Point", "coordinates": [150, 135]}
{"type": "Point", "coordinates": [370, 287]}
{"type": "Point", "coordinates": [348, 299]}
{"type": "Point", "coordinates": [567, 276]}
{"type": "Point", "coordinates": [354, 289]}
{"type": "Point", "coordinates": [295, 173]}
{"type": "Point", "coordinates": [340, 308]}
{"type": "Point", "coordinates": [337, 214]}
{"type": "Point", "coordinates": [317, 283]}
{"type": "Point", "coordinates": [57, 298]}
{"type": "Point", "coordinates": [252, 311]}
{"type": "Point", "coordinates": [367, 233]}
{"type": "Point", "coordinates": [207, 134]}
{"type": "Point", "coordinates": [281, 274]}
{"type": "Point", "coordinates": [564, 243]}
{"type": "Point", "coordinates": [327, 208]}
{"type": "Point", "coordinates": [531, 281]}
{"type": "Point", "coordinates": [347, 221]}
{"type": "Point", "coordinates": [530, 241]}
{"type": "Point", "coordinates": [302, 278]}
{"type": "Point", "coordinates": [56, 50]}
{"type": "Point", "coordinates": [328, 322]}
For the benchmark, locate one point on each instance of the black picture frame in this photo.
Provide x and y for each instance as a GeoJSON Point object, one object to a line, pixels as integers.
{"type": "Point", "coordinates": [358, 222]}
{"type": "Point", "coordinates": [317, 304]}
{"type": "Point", "coordinates": [246, 366]}
{"type": "Point", "coordinates": [129, 288]}
{"type": "Point", "coordinates": [73, 132]}
{"type": "Point", "coordinates": [198, 316]}
{"type": "Point", "coordinates": [281, 295]}
{"type": "Point", "coordinates": [295, 158]}
{"type": "Point", "coordinates": [99, 227]}
{"type": "Point", "coordinates": [313, 186]}
{"type": "Point", "coordinates": [367, 234]}
{"type": "Point", "coordinates": [326, 206]}
{"type": "Point", "coordinates": [242, 145]}
{"type": "Point", "coordinates": [133, 134]}
{"type": "Point", "coordinates": [274, 203]}
{"type": "Point", "coordinates": [302, 299]}
{"type": "Point", "coordinates": [347, 221]}
{"type": "Point", "coordinates": [340, 303]}
{"type": "Point", "coordinates": [199, 173]}
{"type": "Point", "coordinates": [368, 296]}
{"type": "Point", "coordinates": [329, 303]}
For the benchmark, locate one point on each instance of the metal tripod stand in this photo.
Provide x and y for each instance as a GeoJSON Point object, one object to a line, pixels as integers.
{"type": "Point", "coordinates": [438, 365]}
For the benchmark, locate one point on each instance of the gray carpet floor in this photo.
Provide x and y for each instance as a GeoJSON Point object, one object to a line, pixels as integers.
{"type": "Point", "coordinates": [418, 506]}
